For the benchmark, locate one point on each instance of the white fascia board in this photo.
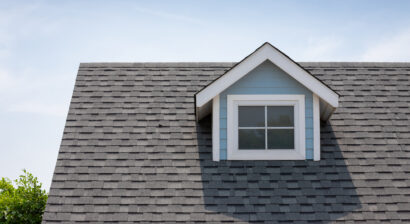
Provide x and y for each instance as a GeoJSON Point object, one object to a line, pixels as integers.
{"type": "Point", "coordinates": [316, 128]}
{"type": "Point", "coordinates": [215, 129]}
{"type": "Point", "coordinates": [267, 52]}
{"type": "Point", "coordinates": [233, 75]}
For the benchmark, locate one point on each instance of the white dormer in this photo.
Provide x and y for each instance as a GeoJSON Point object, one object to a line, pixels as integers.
{"type": "Point", "coordinates": [266, 107]}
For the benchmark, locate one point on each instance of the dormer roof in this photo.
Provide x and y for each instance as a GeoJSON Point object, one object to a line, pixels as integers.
{"type": "Point", "coordinates": [329, 98]}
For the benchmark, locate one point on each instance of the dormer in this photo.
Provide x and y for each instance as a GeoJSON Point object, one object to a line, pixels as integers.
{"type": "Point", "coordinates": [266, 107]}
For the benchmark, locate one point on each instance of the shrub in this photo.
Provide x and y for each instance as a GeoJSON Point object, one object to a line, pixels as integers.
{"type": "Point", "coordinates": [24, 203]}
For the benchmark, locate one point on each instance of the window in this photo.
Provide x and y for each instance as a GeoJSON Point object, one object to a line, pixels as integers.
{"type": "Point", "coordinates": [266, 127]}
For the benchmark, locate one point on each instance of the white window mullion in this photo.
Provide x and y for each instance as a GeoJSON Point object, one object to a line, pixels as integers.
{"type": "Point", "coordinates": [280, 127]}
{"type": "Point", "coordinates": [250, 128]}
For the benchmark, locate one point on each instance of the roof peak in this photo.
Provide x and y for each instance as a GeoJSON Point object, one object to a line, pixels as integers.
{"type": "Point", "coordinates": [277, 57]}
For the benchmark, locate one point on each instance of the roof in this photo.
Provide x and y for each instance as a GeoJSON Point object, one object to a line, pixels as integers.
{"type": "Point", "coordinates": [132, 151]}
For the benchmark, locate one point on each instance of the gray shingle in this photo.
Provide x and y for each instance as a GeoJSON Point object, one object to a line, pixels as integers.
{"type": "Point", "coordinates": [132, 152]}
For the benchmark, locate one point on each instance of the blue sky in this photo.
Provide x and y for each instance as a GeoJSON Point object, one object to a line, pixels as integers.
{"type": "Point", "coordinates": [43, 42]}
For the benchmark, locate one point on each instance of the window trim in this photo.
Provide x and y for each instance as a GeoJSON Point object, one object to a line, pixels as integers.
{"type": "Point", "coordinates": [233, 101]}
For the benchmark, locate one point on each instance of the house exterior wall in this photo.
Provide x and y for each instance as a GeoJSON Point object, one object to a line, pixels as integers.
{"type": "Point", "coordinates": [267, 79]}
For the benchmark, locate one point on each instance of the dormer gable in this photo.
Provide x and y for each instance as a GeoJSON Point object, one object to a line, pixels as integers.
{"type": "Point", "coordinates": [266, 107]}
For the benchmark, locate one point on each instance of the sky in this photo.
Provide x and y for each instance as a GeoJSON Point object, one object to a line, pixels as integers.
{"type": "Point", "coordinates": [43, 42]}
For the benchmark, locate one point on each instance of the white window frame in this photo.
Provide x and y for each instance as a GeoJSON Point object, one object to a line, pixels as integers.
{"type": "Point", "coordinates": [234, 101]}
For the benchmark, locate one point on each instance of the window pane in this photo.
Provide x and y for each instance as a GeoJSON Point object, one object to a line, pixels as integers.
{"type": "Point", "coordinates": [251, 139]}
{"type": "Point", "coordinates": [251, 116]}
{"type": "Point", "coordinates": [281, 139]}
{"type": "Point", "coordinates": [280, 116]}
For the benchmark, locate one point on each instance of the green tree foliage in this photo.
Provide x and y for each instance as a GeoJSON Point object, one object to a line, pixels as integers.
{"type": "Point", "coordinates": [24, 203]}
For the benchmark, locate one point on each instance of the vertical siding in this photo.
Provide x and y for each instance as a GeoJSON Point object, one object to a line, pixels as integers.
{"type": "Point", "coordinates": [267, 79]}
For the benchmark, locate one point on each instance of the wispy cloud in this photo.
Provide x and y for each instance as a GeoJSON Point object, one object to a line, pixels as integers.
{"type": "Point", "coordinates": [15, 21]}
{"type": "Point", "coordinates": [392, 48]}
{"type": "Point", "coordinates": [322, 49]}
{"type": "Point", "coordinates": [57, 110]}
{"type": "Point", "coordinates": [27, 93]}
{"type": "Point", "coordinates": [6, 81]}
{"type": "Point", "coordinates": [171, 16]}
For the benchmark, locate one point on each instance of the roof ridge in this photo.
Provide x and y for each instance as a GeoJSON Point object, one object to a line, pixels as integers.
{"type": "Point", "coordinates": [155, 64]}
{"type": "Point", "coordinates": [355, 64]}
{"type": "Point", "coordinates": [228, 64]}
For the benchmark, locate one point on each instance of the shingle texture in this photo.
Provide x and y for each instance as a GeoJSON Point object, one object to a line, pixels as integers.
{"type": "Point", "coordinates": [133, 152]}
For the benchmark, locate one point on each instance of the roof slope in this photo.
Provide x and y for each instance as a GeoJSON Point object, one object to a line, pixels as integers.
{"type": "Point", "coordinates": [132, 151]}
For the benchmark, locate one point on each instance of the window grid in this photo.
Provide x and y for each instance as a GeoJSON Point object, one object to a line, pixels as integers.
{"type": "Point", "coordinates": [266, 127]}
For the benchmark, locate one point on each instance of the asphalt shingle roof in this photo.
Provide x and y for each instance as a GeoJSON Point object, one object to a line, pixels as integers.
{"type": "Point", "coordinates": [133, 152]}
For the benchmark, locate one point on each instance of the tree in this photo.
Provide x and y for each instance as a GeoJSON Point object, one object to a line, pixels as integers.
{"type": "Point", "coordinates": [24, 203]}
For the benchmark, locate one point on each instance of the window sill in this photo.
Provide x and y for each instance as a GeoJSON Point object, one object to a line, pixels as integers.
{"type": "Point", "coordinates": [265, 155]}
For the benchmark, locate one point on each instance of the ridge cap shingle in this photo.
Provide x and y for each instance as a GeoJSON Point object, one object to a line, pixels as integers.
{"type": "Point", "coordinates": [230, 64]}
{"type": "Point", "coordinates": [355, 64]}
{"type": "Point", "coordinates": [155, 64]}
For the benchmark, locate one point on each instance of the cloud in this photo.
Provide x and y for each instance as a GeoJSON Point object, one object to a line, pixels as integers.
{"type": "Point", "coordinates": [6, 81]}
{"type": "Point", "coordinates": [20, 82]}
{"type": "Point", "coordinates": [171, 16]}
{"type": "Point", "coordinates": [393, 48]}
{"type": "Point", "coordinates": [27, 93]}
{"type": "Point", "coordinates": [15, 21]}
{"type": "Point", "coordinates": [322, 49]}
{"type": "Point", "coordinates": [39, 108]}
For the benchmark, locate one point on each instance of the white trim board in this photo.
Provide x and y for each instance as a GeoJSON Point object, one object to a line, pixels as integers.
{"type": "Point", "coordinates": [215, 129]}
{"type": "Point", "coordinates": [267, 52]}
{"type": "Point", "coordinates": [316, 128]}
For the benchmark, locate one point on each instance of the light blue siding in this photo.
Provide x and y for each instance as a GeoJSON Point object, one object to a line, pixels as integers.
{"type": "Point", "coordinates": [267, 78]}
